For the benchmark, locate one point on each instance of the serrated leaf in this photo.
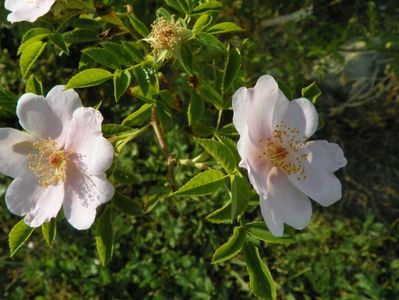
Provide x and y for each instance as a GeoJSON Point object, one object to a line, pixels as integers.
{"type": "Point", "coordinates": [34, 85]}
{"type": "Point", "coordinates": [232, 66]}
{"type": "Point", "coordinates": [202, 22]}
{"type": "Point", "coordinates": [105, 237]}
{"type": "Point", "coordinates": [202, 184]}
{"type": "Point", "coordinates": [259, 231]}
{"type": "Point", "coordinates": [228, 129]}
{"type": "Point", "coordinates": [58, 40]}
{"type": "Point", "coordinates": [311, 92]}
{"type": "Point", "coordinates": [49, 231]}
{"type": "Point", "coordinates": [18, 235]}
{"type": "Point", "coordinates": [139, 116]}
{"type": "Point", "coordinates": [102, 56]}
{"type": "Point", "coordinates": [232, 146]}
{"type": "Point", "coordinates": [260, 279]}
{"type": "Point", "coordinates": [208, 6]}
{"type": "Point", "coordinates": [123, 56]}
{"type": "Point", "coordinates": [195, 109]}
{"type": "Point", "coordinates": [186, 59]}
{"type": "Point", "coordinates": [211, 95]}
{"type": "Point", "coordinates": [139, 26]}
{"type": "Point", "coordinates": [232, 247]}
{"type": "Point", "coordinates": [30, 54]}
{"type": "Point", "coordinates": [33, 35]}
{"type": "Point", "coordinates": [224, 27]}
{"type": "Point", "coordinates": [126, 205]}
{"type": "Point", "coordinates": [220, 153]}
{"type": "Point", "coordinates": [80, 36]}
{"type": "Point", "coordinates": [89, 77]}
{"type": "Point", "coordinates": [239, 195]}
{"type": "Point", "coordinates": [221, 215]}
{"type": "Point", "coordinates": [134, 53]}
{"type": "Point", "coordinates": [210, 41]}
{"type": "Point", "coordinates": [121, 83]}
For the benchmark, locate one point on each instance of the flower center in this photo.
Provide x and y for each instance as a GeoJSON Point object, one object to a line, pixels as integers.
{"type": "Point", "coordinates": [47, 162]}
{"type": "Point", "coordinates": [283, 150]}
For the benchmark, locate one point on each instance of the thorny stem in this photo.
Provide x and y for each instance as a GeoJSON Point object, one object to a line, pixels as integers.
{"type": "Point", "coordinates": [164, 147]}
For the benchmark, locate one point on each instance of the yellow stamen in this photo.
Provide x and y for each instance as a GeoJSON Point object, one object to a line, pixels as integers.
{"type": "Point", "coordinates": [47, 162]}
{"type": "Point", "coordinates": [282, 149]}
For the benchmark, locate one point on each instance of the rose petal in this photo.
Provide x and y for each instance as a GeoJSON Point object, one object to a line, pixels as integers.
{"type": "Point", "coordinates": [28, 11]}
{"type": "Point", "coordinates": [254, 107]}
{"type": "Point", "coordinates": [14, 148]}
{"type": "Point", "coordinates": [83, 194]}
{"type": "Point", "coordinates": [63, 103]}
{"type": "Point", "coordinates": [284, 204]}
{"type": "Point", "coordinates": [37, 118]}
{"type": "Point", "coordinates": [25, 197]}
{"type": "Point", "coordinates": [300, 114]}
{"type": "Point", "coordinates": [85, 139]}
{"type": "Point", "coordinates": [321, 184]}
{"type": "Point", "coordinates": [257, 166]}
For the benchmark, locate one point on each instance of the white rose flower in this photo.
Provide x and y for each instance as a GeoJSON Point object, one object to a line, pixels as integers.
{"type": "Point", "coordinates": [283, 167]}
{"type": "Point", "coordinates": [27, 10]}
{"type": "Point", "coordinates": [59, 160]}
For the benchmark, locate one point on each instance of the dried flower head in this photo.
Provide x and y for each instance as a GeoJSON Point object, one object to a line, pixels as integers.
{"type": "Point", "coordinates": [165, 37]}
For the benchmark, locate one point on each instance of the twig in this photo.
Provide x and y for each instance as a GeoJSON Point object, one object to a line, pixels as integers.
{"type": "Point", "coordinates": [171, 160]}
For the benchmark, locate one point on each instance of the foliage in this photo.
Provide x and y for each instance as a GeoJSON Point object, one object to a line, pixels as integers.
{"type": "Point", "coordinates": [170, 215]}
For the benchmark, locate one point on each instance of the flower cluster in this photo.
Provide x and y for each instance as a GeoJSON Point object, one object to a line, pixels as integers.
{"type": "Point", "coordinates": [283, 167]}
{"type": "Point", "coordinates": [59, 160]}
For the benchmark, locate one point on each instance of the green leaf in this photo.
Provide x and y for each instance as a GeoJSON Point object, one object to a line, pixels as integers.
{"type": "Point", "coordinates": [239, 195]}
{"type": "Point", "coordinates": [228, 129]}
{"type": "Point", "coordinates": [224, 27]}
{"type": "Point", "coordinates": [89, 77]}
{"type": "Point", "coordinates": [80, 36]}
{"type": "Point", "coordinates": [202, 184]}
{"type": "Point", "coordinates": [232, 66]}
{"type": "Point", "coordinates": [139, 26]}
{"type": "Point", "coordinates": [186, 59]}
{"type": "Point", "coordinates": [311, 92]}
{"type": "Point", "coordinates": [34, 85]}
{"type": "Point", "coordinates": [220, 153]}
{"type": "Point", "coordinates": [209, 41]}
{"type": "Point", "coordinates": [8, 101]}
{"type": "Point", "coordinates": [260, 279]}
{"type": "Point", "coordinates": [195, 109]}
{"type": "Point", "coordinates": [287, 91]}
{"type": "Point", "coordinates": [113, 129]}
{"type": "Point", "coordinates": [18, 235]}
{"type": "Point", "coordinates": [30, 54]}
{"type": "Point", "coordinates": [124, 177]}
{"type": "Point", "coordinates": [211, 95]}
{"type": "Point", "coordinates": [202, 22]}
{"type": "Point", "coordinates": [139, 116]}
{"type": "Point", "coordinates": [33, 35]}
{"type": "Point", "coordinates": [121, 83]}
{"type": "Point", "coordinates": [123, 56]}
{"type": "Point", "coordinates": [180, 5]}
{"type": "Point", "coordinates": [232, 146]}
{"type": "Point", "coordinates": [49, 231]}
{"type": "Point", "coordinates": [259, 231]}
{"type": "Point", "coordinates": [126, 205]}
{"type": "Point", "coordinates": [232, 247]}
{"type": "Point", "coordinates": [134, 53]}
{"type": "Point", "coordinates": [58, 40]}
{"type": "Point", "coordinates": [105, 237]}
{"type": "Point", "coordinates": [102, 56]}
{"type": "Point", "coordinates": [208, 6]}
{"type": "Point", "coordinates": [221, 215]}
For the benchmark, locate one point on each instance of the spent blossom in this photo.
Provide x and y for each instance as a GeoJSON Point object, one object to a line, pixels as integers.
{"type": "Point", "coordinates": [59, 160]}
{"type": "Point", "coordinates": [27, 10]}
{"type": "Point", "coordinates": [283, 167]}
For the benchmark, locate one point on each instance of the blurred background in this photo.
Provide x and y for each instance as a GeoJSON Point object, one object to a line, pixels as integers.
{"type": "Point", "coordinates": [349, 251]}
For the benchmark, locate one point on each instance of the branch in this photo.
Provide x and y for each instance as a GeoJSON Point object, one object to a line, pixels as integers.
{"type": "Point", "coordinates": [171, 160]}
